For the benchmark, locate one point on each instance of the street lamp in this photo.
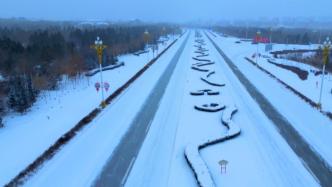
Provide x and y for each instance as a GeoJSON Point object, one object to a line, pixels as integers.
{"type": "Point", "coordinates": [246, 30]}
{"type": "Point", "coordinates": [326, 54]}
{"type": "Point", "coordinates": [258, 35]}
{"type": "Point", "coordinates": [99, 47]}
{"type": "Point", "coordinates": [271, 30]}
{"type": "Point", "coordinates": [146, 38]}
{"type": "Point", "coordinates": [164, 33]}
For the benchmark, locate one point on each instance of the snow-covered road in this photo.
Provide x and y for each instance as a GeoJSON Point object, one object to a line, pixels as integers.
{"type": "Point", "coordinates": [140, 139]}
{"type": "Point", "coordinates": [116, 170]}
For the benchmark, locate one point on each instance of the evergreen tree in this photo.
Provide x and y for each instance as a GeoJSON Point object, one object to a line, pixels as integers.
{"type": "Point", "coordinates": [18, 94]}
{"type": "Point", "coordinates": [1, 123]}
{"type": "Point", "coordinates": [305, 38]}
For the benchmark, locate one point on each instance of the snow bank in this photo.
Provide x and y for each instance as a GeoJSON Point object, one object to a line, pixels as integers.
{"type": "Point", "coordinates": [198, 166]}
{"type": "Point", "coordinates": [110, 67]}
{"type": "Point", "coordinates": [195, 160]}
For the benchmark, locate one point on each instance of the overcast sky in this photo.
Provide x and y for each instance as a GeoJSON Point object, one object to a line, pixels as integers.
{"type": "Point", "coordinates": [164, 10]}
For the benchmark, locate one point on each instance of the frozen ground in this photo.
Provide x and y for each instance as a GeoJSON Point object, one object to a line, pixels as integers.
{"type": "Point", "coordinates": [26, 136]}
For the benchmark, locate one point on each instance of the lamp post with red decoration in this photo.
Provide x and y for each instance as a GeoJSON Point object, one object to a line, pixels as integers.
{"type": "Point", "coordinates": [99, 47]}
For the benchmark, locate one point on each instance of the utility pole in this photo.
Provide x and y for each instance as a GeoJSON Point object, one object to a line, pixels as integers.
{"type": "Point", "coordinates": [326, 54]}
{"type": "Point", "coordinates": [99, 47]}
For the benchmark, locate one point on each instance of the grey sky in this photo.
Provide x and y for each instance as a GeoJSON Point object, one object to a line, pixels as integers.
{"type": "Point", "coordinates": [163, 10]}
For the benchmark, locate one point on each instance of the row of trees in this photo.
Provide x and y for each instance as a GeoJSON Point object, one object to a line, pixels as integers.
{"type": "Point", "coordinates": [35, 59]}
{"type": "Point", "coordinates": [279, 35]}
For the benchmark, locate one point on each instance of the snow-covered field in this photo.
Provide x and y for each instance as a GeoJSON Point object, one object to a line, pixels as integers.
{"type": "Point", "coordinates": [314, 127]}
{"type": "Point", "coordinates": [28, 135]}
{"type": "Point", "coordinates": [258, 157]}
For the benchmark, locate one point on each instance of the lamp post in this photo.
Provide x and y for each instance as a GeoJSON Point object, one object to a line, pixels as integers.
{"type": "Point", "coordinates": [164, 33]}
{"type": "Point", "coordinates": [99, 47]}
{"type": "Point", "coordinates": [246, 30]}
{"type": "Point", "coordinates": [326, 54]}
{"type": "Point", "coordinates": [146, 37]}
{"type": "Point", "coordinates": [271, 30]}
{"type": "Point", "coordinates": [258, 35]}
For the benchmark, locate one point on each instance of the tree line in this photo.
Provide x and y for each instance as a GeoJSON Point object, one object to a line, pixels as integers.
{"type": "Point", "coordinates": [279, 34]}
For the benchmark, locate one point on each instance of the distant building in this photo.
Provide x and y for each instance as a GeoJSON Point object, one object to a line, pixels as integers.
{"type": "Point", "coordinates": [260, 39]}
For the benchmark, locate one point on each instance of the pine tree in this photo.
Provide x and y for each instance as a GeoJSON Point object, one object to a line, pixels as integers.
{"type": "Point", "coordinates": [1, 123]}
{"type": "Point", "coordinates": [1, 111]}
{"type": "Point", "coordinates": [31, 93]}
{"type": "Point", "coordinates": [305, 38]}
{"type": "Point", "coordinates": [18, 97]}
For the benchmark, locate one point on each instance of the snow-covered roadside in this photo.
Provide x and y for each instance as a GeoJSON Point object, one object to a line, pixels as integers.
{"type": "Point", "coordinates": [258, 157]}
{"type": "Point", "coordinates": [26, 136]}
{"type": "Point", "coordinates": [309, 87]}
{"type": "Point", "coordinates": [314, 127]}
{"type": "Point", "coordinates": [81, 160]}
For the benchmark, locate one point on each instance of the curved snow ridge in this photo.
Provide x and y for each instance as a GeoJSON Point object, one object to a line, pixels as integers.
{"type": "Point", "coordinates": [201, 60]}
{"type": "Point", "coordinates": [193, 157]}
{"type": "Point", "coordinates": [198, 166]}
{"type": "Point", "coordinates": [110, 67]}
{"type": "Point", "coordinates": [212, 83]}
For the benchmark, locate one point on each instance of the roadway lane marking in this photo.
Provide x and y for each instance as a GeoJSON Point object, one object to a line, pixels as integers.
{"type": "Point", "coordinates": [148, 127]}
{"type": "Point", "coordinates": [124, 179]}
